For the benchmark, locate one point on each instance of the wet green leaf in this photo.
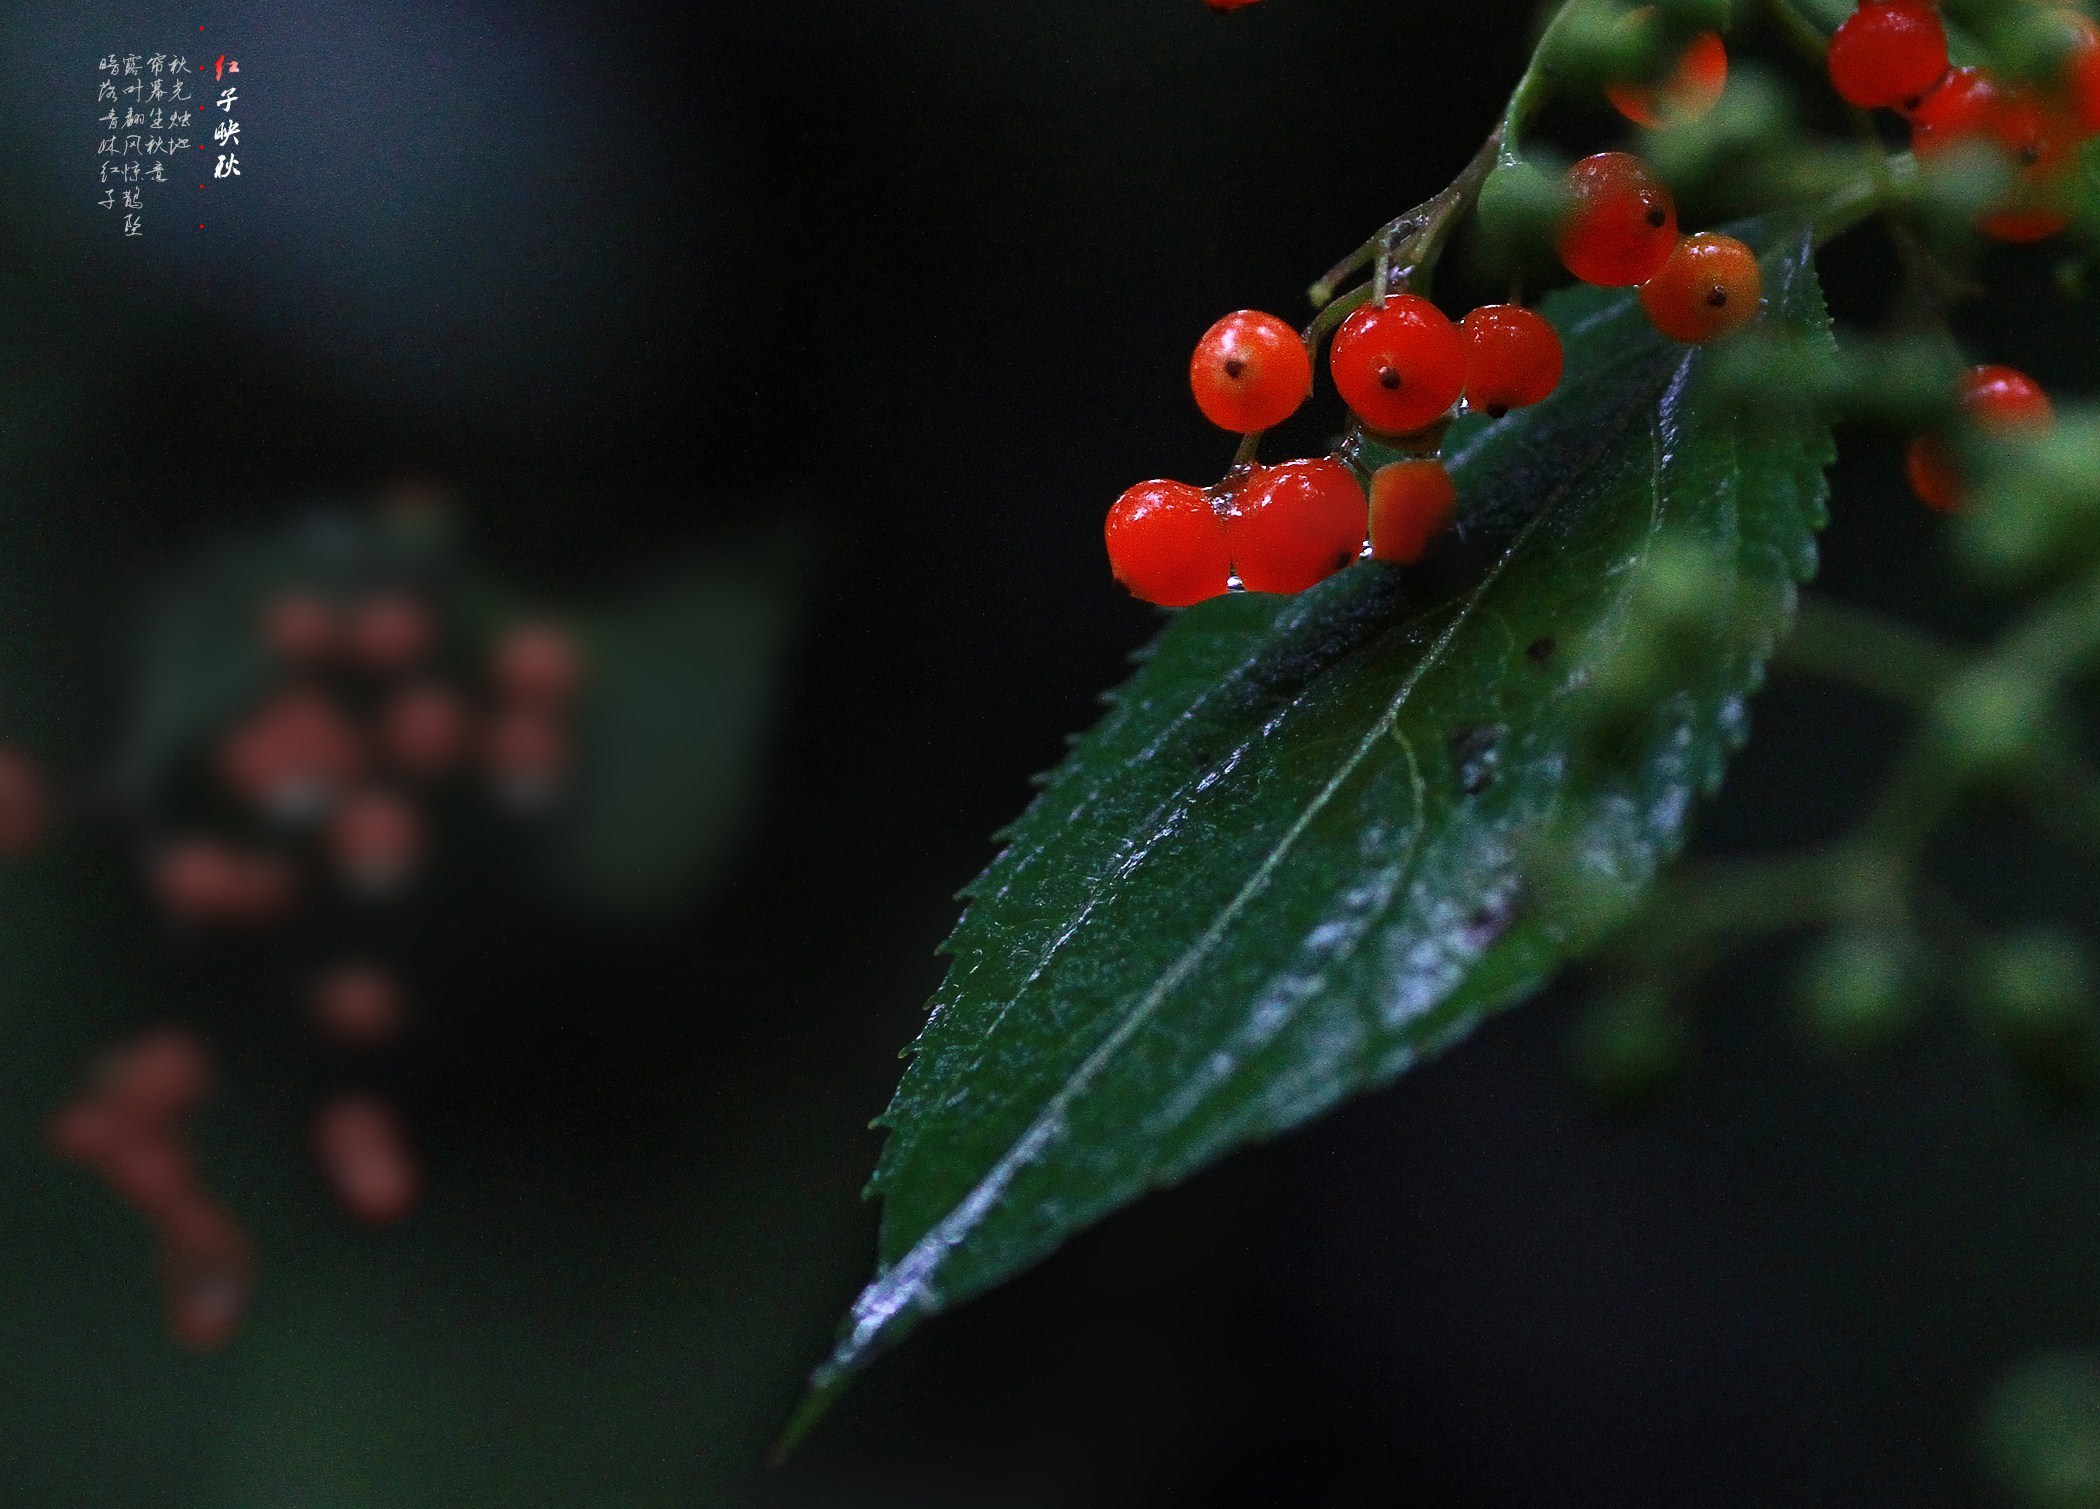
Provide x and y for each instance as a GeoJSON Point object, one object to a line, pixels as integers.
{"type": "Point", "coordinates": [1289, 863]}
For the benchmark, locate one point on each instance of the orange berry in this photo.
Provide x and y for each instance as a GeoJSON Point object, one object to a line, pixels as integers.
{"type": "Point", "coordinates": [1411, 502]}
{"type": "Point", "coordinates": [1513, 358]}
{"type": "Point", "coordinates": [1398, 366]}
{"type": "Point", "coordinates": [1250, 371]}
{"type": "Point", "coordinates": [1166, 544]}
{"type": "Point", "coordinates": [1998, 399]}
{"type": "Point", "coordinates": [1620, 224]}
{"type": "Point", "coordinates": [1887, 52]}
{"type": "Point", "coordinates": [1294, 524]}
{"type": "Point", "coordinates": [1708, 288]}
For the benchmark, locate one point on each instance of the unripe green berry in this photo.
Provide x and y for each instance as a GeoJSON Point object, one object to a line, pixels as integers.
{"type": "Point", "coordinates": [1856, 990]}
{"type": "Point", "coordinates": [1520, 205]}
{"type": "Point", "coordinates": [1597, 41]}
{"type": "Point", "coordinates": [1989, 719]}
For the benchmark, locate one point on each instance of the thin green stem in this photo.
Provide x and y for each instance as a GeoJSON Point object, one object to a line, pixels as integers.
{"type": "Point", "coordinates": [1869, 651]}
{"type": "Point", "coordinates": [1799, 32]}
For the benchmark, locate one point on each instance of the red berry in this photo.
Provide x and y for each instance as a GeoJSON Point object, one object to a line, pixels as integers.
{"type": "Point", "coordinates": [364, 1156]}
{"type": "Point", "coordinates": [1166, 544]}
{"type": "Point", "coordinates": [154, 1173]}
{"type": "Point", "coordinates": [357, 1005]}
{"type": "Point", "coordinates": [202, 881]}
{"type": "Point", "coordinates": [25, 809]}
{"type": "Point", "coordinates": [1250, 371]}
{"type": "Point", "coordinates": [539, 663]}
{"type": "Point", "coordinates": [528, 755]}
{"type": "Point", "coordinates": [390, 632]}
{"type": "Point", "coordinates": [425, 730]}
{"type": "Point", "coordinates": [1410, 502]}
{"type": "Point", "coordinates": [2081, 80]}
{"type": "Point", "coordinates": [376, 839]}
{"type": "Point", "coordinates": [157, 1079]}
{"type": "Point", "coordinates": [1620, 224]}
{"type": "Point", "coordinates": [1293, 524]}
{"type": "Point", "coordinates": [300, 627]}
{"type": "Point", "coordinates": [89, 1132]}
{"type": "Point", "coordinates": [1399, 366]}
{"type": "Point", "coordinates": [2003, 400]}
{"type": "Point", "coordinates": [1961, 105]}
{"type": "Point", "coordinates": [2037, 141]}
{"type": "Point", "coordinates": [207, 1270]}
{"type": "Point", "coordinates": [1513, 358]}
{"type": "Point", "coordinates": [1887, 52]}
{"type": "Point", "coordinates": [292, 757]}
{"type": "Point", "coordinates": [1708, 288]}
{"type": "Point", "coordinates": [1693, 86]}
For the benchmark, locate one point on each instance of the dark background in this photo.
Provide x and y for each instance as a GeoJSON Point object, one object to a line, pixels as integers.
{"type": "Point", "coordinates": [919, 280]}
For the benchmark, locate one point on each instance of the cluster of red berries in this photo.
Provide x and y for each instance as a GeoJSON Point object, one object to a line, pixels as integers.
{"type": "Point", "coordinates": [1892, 54]}
{"type": "Point", "coordinates": [128, 1127]}
{"type": "Point", "coordinates": [303, 757]}
{"type": "Point", "coordinates": [361, 726]}
{"type": "Point", "coordinates": [1401, 365]}
{"type": "Point", "coordinates": [1995, 400]}
{"type": "Point", "coordinates": [1619, 230]}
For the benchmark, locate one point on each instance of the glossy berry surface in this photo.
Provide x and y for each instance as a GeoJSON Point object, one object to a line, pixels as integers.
{"type": "Point", "coordinates": [1887, 53]}
{"type": "Point", "coordinates": [1295, 524]}
{"type": "Point", "coordinates": [1962, 105]}
{"type": "Point", "coordinates": [1620, 224]}
{"type": "Point", "coordinates": [1513, 358]}
{"type": "Point", "coordinates": [1693, 87]}
{"type": "Point", "coordinates": [1400, 366]}
{"type": "Point", "coordinates": [1997, 399]}
{"type": "Point", "coordinates": [1708, 288]}
{"type": "Point", "coordinates": [1411, 502]}
{"type": "Point", "coordinates": [1249, 372]}
{"type": "Point", "coordinates": [1166, 544]}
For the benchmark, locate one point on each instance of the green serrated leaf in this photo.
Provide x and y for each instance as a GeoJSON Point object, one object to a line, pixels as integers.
{"type": "Point", "coordinates": [1289, 862]}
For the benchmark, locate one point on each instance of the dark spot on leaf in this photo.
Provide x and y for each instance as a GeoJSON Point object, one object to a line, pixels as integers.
{"type": "Point", "coordinates": [1234, 366]}
{"type": "Point", "coordinates": [1474, 751]}
{"type": "Point", "coordinates": [1388, 378]}
{"type": "Point", "coordinates": [1540, 650]}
